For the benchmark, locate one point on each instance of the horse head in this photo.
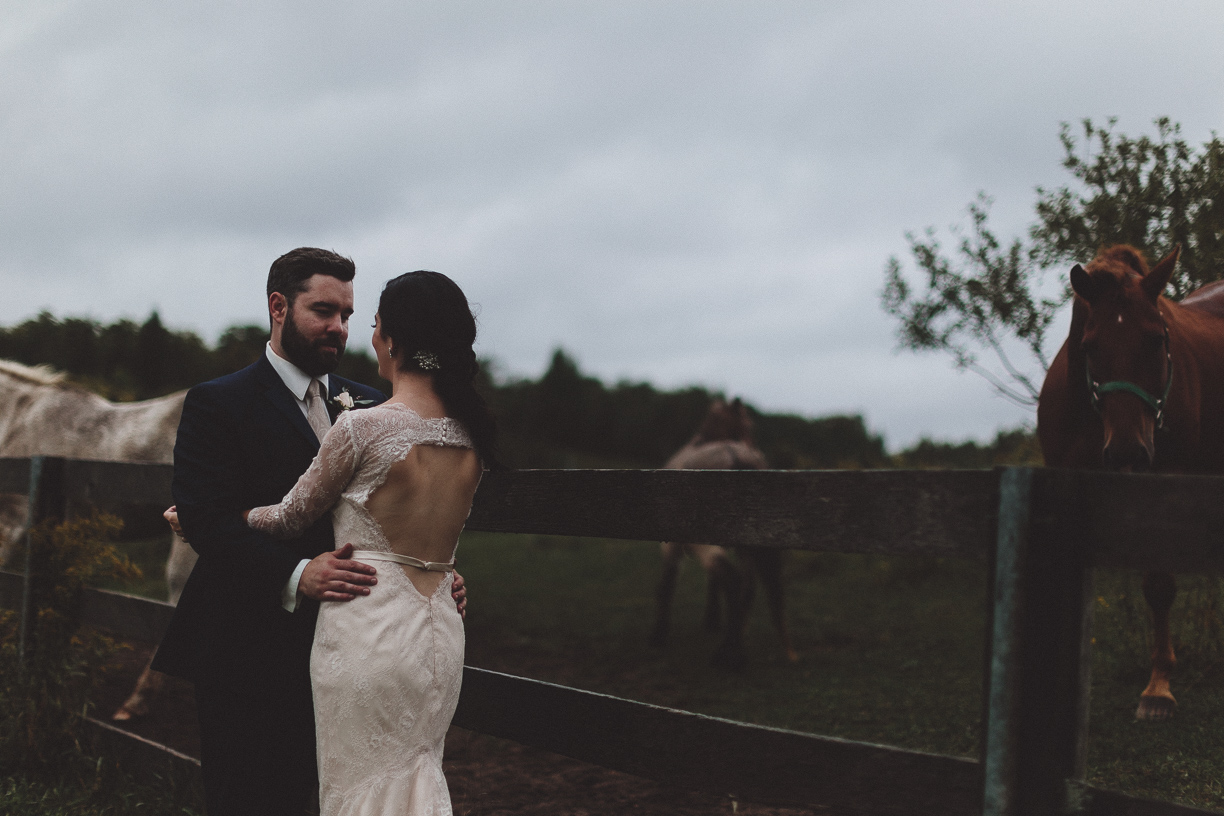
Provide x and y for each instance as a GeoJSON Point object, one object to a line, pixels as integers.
{"type": "Point", "coordinates": [725, 422]}
{"type": "Point", "coordinates": [1125, 348]}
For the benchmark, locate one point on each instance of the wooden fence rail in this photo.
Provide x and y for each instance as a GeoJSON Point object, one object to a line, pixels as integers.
{"type": "Point", "coordinates": [1040, 531]}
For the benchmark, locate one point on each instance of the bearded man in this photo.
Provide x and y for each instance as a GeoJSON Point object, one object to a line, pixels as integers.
{"type": "Point", "coordinates": [243, 628]}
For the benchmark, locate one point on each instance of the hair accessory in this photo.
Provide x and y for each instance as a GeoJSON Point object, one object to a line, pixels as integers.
{"type": "Point", "coordinates": [427, 360]}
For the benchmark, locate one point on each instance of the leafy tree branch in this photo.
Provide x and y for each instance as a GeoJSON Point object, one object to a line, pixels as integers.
{"type": "Point", "coordinates": [1149, 192]}
{"type": "Point", "coordinates": [980, 298]}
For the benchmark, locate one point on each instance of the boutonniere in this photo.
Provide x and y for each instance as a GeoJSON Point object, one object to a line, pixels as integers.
{"type": "Point", "coordinates": [345, 401]}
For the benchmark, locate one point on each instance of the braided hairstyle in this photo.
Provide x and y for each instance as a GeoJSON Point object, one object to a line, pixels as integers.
{"type": "Point", "coordinates": [427, 318]}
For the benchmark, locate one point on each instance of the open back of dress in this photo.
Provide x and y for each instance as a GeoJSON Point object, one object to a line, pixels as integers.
{"type": "Point", "coordinates": [422, 505]}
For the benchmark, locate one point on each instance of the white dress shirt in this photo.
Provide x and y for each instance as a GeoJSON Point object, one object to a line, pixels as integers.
{"type": "Point", "coordinates": [298, 382]}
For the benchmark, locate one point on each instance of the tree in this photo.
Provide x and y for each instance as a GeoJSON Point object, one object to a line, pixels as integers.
{"type": "Point", "coordinates": [1150, 193]}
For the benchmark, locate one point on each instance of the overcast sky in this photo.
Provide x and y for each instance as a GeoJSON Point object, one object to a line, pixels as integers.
{"type": "Point", "coordinates": [680, 192]}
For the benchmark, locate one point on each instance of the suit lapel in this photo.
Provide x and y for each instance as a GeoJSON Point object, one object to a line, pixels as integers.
{"type": "Point", "coordinates": [333, 388]}
{"type": "Point", "coordinates": [284, 401]}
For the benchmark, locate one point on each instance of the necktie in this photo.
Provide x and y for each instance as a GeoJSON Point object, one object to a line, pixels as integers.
{"type": "Point", "coordinates": [316, 411]}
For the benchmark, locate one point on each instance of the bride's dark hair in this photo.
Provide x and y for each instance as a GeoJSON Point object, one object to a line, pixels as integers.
{"type": "Point", "coordinates": [426, 317]}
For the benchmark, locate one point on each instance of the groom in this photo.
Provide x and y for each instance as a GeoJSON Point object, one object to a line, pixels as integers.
{"type": "Point", "coordinates": [243, 628]}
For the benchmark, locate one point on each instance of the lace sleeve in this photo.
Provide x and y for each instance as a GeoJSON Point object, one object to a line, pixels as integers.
{"type": "Point", "coordinates": [317, 490]}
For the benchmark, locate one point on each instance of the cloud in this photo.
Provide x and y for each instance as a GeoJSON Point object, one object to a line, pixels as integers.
{"type": "Point", "coordinates": [683, 191]}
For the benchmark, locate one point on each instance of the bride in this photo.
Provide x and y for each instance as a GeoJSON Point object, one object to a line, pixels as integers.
{"type": "Point", "coordinates": [399, 479]}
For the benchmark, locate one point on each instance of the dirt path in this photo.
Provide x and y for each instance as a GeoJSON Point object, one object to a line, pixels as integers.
{"type": "Point", "coordinates": [487, 776]}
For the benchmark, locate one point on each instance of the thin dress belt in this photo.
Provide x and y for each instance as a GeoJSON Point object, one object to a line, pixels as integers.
{"type": "Point", "coordinates": [378, 555]}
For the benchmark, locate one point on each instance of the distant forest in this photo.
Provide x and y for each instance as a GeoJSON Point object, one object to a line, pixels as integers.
{"type": "Point", "coordinates": [564, 419]}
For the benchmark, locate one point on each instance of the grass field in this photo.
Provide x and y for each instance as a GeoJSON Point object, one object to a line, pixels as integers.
{"type": "Point", "coordinates": [891, 650]}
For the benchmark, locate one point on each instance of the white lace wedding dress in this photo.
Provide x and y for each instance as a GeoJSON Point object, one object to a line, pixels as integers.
{"type": "Point", "coordinates": [385, 668]}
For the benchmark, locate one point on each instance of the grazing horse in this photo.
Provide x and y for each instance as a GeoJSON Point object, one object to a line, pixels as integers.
{"type": "Point", "coordinates": [1138, 386]}
{"type": "Point", "coordinates": [724, 442]}
{"type": "Point", "coordinates": [41, 414]}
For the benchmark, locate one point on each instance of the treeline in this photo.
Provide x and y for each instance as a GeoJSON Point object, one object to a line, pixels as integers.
{"type": "Point", "coordinates": [568, 419]}
{"type": "Point", "coordinates": [563, 419]}
{"type": "Point", "coordinates": [126, 361]}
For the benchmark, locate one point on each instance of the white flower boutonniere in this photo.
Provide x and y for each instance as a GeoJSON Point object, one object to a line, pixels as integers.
{"type": "Point", "coordinates": [345, 401]}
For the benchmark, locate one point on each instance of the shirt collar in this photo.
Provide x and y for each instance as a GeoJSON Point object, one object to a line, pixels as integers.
{"type": "Point", "coordinates": [294, 378]}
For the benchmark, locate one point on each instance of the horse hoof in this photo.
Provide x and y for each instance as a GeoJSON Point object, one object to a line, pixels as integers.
{"type": "Point", "coordinates": [1155, 708]}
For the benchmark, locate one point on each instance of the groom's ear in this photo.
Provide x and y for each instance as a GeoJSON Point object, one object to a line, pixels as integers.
{"type": "Point", "coordinates": [278, 307]}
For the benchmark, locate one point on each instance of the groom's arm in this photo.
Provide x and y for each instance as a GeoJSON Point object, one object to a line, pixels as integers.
{"type": "Point", "coordinates": [327, 577]}
{"type": "Point", "coordinates": [208, 468]}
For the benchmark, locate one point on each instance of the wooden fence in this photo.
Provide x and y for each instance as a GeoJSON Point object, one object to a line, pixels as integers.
{"type": "Point", "coordinates": [1040, 531]}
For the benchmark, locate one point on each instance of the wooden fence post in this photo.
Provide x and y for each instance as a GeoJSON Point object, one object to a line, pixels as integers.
{"type": "Point", "coordinates": [1035, 734]}
{"type": "Point", "coordinates": [46, 499]}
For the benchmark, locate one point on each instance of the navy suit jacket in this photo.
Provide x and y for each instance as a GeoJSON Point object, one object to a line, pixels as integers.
{"type": "Point", "coordinates": [243, 442]}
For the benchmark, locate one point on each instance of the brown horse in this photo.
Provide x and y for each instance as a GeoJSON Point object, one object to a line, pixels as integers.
{"type": "Point", "coordinates": [1138, 386]}
{"type": "Point", "coordinates": [724, 442]}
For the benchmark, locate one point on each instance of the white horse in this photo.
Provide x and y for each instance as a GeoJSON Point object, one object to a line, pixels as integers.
{"type": "Point", "coordinates": [42, 414]}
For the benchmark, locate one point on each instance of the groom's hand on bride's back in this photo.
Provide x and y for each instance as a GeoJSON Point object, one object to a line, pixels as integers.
{"type": "Point", "coordinates": [334, 576]}
{"type": "Point", "coordinates": [459, 594]}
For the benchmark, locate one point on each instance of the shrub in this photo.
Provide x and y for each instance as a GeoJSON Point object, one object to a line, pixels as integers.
{"type": "Point", "coordinates": [43, 699]}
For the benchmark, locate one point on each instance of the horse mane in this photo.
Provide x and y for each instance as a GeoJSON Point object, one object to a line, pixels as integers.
{"type": "Point", "coordinates": [1108, 259]}
{"type": "Point", "coordinates": [34, 375]}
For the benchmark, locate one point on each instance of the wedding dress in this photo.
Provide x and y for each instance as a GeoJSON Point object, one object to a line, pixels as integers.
{"type": "Point", "coordinates": [386, 667]}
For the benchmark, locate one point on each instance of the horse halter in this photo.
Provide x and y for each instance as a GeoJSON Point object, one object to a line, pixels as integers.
{"type": "Point", "coordinates": [1096, 390]}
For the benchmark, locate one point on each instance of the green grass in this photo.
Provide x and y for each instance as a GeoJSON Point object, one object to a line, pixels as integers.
{"type": "Point", "coordinates": [890, 648]}
{"type": "Point", "coordinates": [891, 652]}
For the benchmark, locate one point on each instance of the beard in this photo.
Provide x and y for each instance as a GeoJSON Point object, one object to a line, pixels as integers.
{"type": "Point", "coordinates": [314, 357]}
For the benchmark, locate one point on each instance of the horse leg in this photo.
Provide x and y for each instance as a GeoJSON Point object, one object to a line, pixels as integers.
{"type": "Point", "coordinates": [148, 688]}
{"type": "Point", "coordinates": [1157, 702]}
{"type": "Point", "coordinates": [179, 564]}
{"type": "Point", "coordinates": [708, 556]}
{"type": "Point", "coordinates": [711, 558]}
{"type": "Point", "coordinates": [749, 575]}
{"type": "Point", "coordinates": [12, 525]}
{"type": "Point", "coordinates": [712, 618]}
{"type": "Point", "coordinates": [150, 683]}
{"type": "Point", "coordinates": [768, 562]}
{"type": "Point", "coordinates": [730, 579]}
{"type": "Point", "coordinates": [672, 553]}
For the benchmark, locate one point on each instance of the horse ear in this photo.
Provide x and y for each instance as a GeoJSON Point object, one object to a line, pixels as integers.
{"type": "Point", "coordinates": [1155, 281]}
{"type": "Point", "coordinates": [1081, 283]}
